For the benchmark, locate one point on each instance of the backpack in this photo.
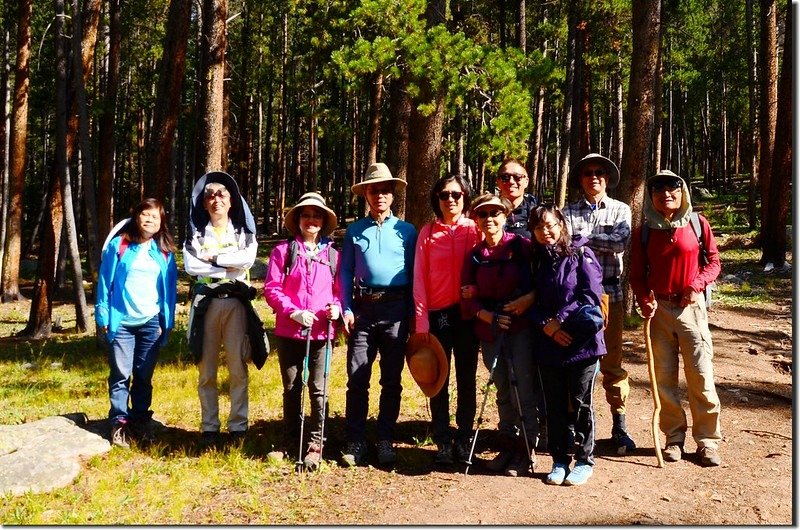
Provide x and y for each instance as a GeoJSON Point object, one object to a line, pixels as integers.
{"type": "Point", "coordinates": [605, 300]}
{"type": "Point", "coordinates": [124, 242]}
{"type": "Point", "coordinates": [694, 220]}
{"type": "Point", "coordinates": [294, 249]}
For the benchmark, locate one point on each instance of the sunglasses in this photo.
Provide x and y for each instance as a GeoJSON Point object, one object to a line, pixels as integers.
{"type": "Point", "coordinates": [506, 177]}
{"type": "Point", "coordinates": [594, 173]}
{"type": "Point", "coordinates": [483, 214]}
{"type": "Point", "coordinates": [445, 195]}
{"type": "Point", "coordinates": [669, 185]}
{"type": "Point", "coordinates": [221, 194]}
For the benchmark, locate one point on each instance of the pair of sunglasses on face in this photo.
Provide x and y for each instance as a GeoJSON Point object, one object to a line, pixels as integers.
{"type": "Point", "coordinates": [506, 177]}
{"type": "Point", "coordinates": [445, 195]}
{"type": "Point", "coordinates": [483, 214]}
{"type": "Point", "coordinates": [594, 172]}
{"type": "Point", "coordinates": [669, 185]}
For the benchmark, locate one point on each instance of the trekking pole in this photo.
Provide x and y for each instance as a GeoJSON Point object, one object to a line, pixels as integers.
{"type": "Point", "coordinates": [498, 350]}
{"type": "Point", "coordinates": [328, 348]}
{"type": "Point", "coordinates": [304, 378]}
{"type": "Point", "coordinates": [512, 377]}
{"type": "Point", "coordinates": [651, 368]}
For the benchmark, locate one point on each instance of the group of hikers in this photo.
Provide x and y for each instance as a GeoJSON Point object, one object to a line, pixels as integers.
{"type": "Point", "coordinates": [534, 289]}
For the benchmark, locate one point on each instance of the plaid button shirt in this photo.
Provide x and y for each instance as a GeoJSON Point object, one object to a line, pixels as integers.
{"type": "Point", "coordinates": [608, 228]}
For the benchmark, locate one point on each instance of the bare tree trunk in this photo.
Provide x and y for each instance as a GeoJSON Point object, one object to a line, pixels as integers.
{"type": "Point", "coordinates": [397, 152]}
{"type": "Point", "coordinates": [375, 119]}
{"type": "Point", "coordinates": [774, 242]}
{"type": "Point", "coordinates": [646, 19]}
{"type": "Point", "coordinates": [107, 149]}
{"type": "Point", "coordinates": [17, 155]}
{"type": "Point", "coordinates": [40, 318]}
{"type": "Point", "coordinates": [168, 99]}
{"type": "Point", "coordinates": [62, 170]}
{"type": "Point", "coordinates": [569, 113]}
{"type": "Point", "coordinates": [5, 56]}
{"type": "Point", "coordinates": [768, 107]}
{"type": "Point", "coordinates": [753, 139]}
{"type": "Point", "coordinates": [210, 135]}
{"type": "Point", "coordinates": [87, 162]}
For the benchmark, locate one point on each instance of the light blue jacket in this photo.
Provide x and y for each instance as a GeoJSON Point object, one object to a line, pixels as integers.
{"type": "Point", "coordinates": [109, 308]}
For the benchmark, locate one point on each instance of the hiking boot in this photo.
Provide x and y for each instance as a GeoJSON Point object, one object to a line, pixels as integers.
{"type": "Point", "coordinates": [709, 456]}
{"type": "Point", "coordinates": [119, 435]}
{"type": "Point", "coordinates": [520, 465]}
{"type": "Point", "coordinates": [579, 475]}
{"type": "Point", "coordinates": [623, 442]}
{"type": "Point", "coordinates": [313, 457]}
{"type": "Point", "coordinates": [461, 450]}
{"type": "Point", "coordinates": [558, 474]}
{"type": "Point", "coordinates": [500, 462]}
{"type": "Point", "coordinates": [673, 452]}
{"type": "Point", "coordinates": [355, 454]}
{"type": "Point", "coordinates": [444, 454]}
{"type": "Point", "coordinates": [209, 440]}
{"type": "Point", "coordinates": [386, 453]}
{"type": "Point", "coordinates": [237, 437]}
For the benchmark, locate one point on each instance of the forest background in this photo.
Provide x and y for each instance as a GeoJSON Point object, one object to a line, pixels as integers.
{"type": "Point", "coordinates": [104, 102]}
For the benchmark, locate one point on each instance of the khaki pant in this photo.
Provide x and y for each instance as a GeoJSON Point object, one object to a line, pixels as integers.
{"type": "Point", "coordinates": [615, 378]}
{"type": "Point", "coordinates": [226, 325]}
{"type": "Point", "coordinates": [678, 332]}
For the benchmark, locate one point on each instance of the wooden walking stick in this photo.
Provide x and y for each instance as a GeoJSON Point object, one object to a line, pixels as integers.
{"type": "Point", "coordinates": [651, 368]}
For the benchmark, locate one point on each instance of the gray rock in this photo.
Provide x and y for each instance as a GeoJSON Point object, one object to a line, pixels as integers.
{"type": "Point", "coordinates": [44, 455]}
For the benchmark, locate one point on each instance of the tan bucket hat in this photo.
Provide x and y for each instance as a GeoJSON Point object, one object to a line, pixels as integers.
{"type": "Point", "coordinates": [427, 362]}
{"type": "Point", "coordinates": [311, 199]}
{"type": "Point", "coordinates": [612, 171]}
{"type": "Point", "coordinates": [487, 200]}
{"type": "Point", "coordinates": [378, 172]}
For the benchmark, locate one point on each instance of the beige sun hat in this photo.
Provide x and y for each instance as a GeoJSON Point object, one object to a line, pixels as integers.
{"type": "Point", "coordinates": [487, 200]}
{"type": "Point", "coordinates": [378, 172]}
{"type": "Point", "coordinates": [427, 362]}
{"type": "Point", "coordinates": [612, 171]}
{"type": "Point", "coordinates": [311, 199]}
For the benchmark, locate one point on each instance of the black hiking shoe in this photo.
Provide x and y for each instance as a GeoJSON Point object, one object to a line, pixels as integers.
{"type": "Point", "coordinates": [119, 435]}
{"type": "Point", "coordinates": [444, 454]}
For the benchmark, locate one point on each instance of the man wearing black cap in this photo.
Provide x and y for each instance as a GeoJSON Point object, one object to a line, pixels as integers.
{"type": "Point", "coordinates": [670, 270]}
{"type": "Point", "coordinates": [606, 223]}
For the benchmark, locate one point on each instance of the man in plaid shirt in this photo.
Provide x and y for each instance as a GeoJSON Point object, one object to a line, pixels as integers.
{"type": "Point", "coordinates": [606, 222]}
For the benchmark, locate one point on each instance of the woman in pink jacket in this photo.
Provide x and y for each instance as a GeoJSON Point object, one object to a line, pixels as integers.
{"type": "Point", "coordinates": [301, 288]}
{"type": "Point", "coordinates": [442, 246]}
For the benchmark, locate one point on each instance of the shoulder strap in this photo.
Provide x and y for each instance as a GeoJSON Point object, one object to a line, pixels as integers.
{"type": "Point", "coordinates": [694, 219]}
{"type": "Point", "coordinates": [124, 242]}
{"type": "Point", "coordinates": [332, 260]}
{"type": "Point", "coordinates": [291, 255]}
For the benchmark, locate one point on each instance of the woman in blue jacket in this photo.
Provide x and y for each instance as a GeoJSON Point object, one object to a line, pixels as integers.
{"type": "Point", "coordinates": [569, 324]}
{"type": "Point", "coordinates": [135, 309]}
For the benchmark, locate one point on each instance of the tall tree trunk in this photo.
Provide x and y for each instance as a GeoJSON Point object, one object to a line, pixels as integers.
{"type": "Point", "coordinates": [62, 169]}
{"type": "Point", "coordinates": [752, 196]}
{"type": "Point", "coordinates": [768, 106]}
{"type": "Point", "coordinates": [107, 149]}
{"type": "Point", "coordinates": [569, 103]}
{"type": "Point", "coordinates": [646, 20]}
{"type": "Point", "coordinates": [40, 318]}
{"type": "Point", "coordinates": [5, 62]}
{"type": "Point", "coordinates": [17, 154]}
{"type": "Point", "coordinates": [397, 152]}
{"type": "Point", "coordinates": [774, 234]}
{"type": "Point", "coordinates": [168, 99]}
{"type": "Point", "coordinates": [210, 135]}
{"type": "Point", "coordinates": [87, 160]}
{"type": "Point", "coordinates": [375, 119]}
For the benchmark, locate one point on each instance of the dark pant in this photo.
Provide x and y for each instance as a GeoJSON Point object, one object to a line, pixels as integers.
{"type": "Point", "coordinates": [456, 336]}
{"type": "Point", "coordinates": [566, 386]}
{"type": "Point", "coordinates": [378, 326]}
{"type": "Point", "coordinates": [291, 353]}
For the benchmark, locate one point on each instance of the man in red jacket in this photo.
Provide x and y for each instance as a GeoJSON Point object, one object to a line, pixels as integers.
{"type": "Point", "coordinates": [669, 274]}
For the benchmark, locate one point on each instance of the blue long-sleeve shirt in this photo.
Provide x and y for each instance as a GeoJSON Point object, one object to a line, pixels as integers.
{"type": "Point", "coordinates": [377, 256]}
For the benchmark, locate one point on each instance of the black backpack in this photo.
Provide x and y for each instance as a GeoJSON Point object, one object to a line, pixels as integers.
{"type": "Point", "coordinates": [694, 220]}
{"type": "Point", "coordinates": [294, 249]}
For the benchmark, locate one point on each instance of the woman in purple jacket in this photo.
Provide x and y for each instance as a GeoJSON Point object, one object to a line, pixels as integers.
{"type": "Point", "coordinates": [300, 287]}
{"type": "Point", "coordinates": [569, 339]}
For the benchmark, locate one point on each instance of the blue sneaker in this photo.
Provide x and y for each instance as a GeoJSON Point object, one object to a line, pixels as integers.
{"type": "Point", "coordinates": [556, 476]}
{"type": "Point", "coordinates": [579, 475]}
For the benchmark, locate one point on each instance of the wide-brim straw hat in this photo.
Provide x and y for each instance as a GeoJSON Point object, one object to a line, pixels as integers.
{"type": "Point", "coordinates": [311, 199]}
{"type": "Point", "coordinates": [494, 201]}
{"type": "Point", "coordinates": [427, 362]}
{"type": "Point", "coordinates": [612, 171]}
{"type": "Point", "coordinates": [378, 172]}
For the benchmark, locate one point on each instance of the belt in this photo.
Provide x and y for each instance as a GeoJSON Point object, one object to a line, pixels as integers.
{"type": "Point", "coordinates": [389, 294]}
{"type": "Point", "coordinates": [611, 281]}
{"type": "Point", "coordinates": [675, 298]}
